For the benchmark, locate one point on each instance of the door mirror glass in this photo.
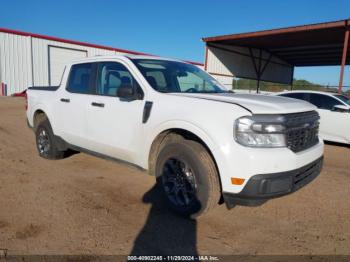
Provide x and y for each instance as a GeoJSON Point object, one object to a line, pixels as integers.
{"type": "Point", "coordinates": [341, 108]}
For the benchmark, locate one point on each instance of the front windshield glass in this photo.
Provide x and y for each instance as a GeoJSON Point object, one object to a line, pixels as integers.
{"type": "Point", "coordinates": [344, 99]}
{"type": "Point", "coordinates": [177, 77]}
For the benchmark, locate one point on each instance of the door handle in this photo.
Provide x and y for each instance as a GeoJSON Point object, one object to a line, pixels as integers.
{"type": "Point", "coordinates": [66, 100]}
{"type": "Point", "coordinates": [98, 104]}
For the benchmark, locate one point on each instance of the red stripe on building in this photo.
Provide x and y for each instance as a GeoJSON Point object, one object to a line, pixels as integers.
{"type": "Point", "coordinates": [63, 40]}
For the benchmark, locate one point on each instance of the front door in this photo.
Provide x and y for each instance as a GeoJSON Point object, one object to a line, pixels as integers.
{"type": "Point", "coordinates": [114, 125]}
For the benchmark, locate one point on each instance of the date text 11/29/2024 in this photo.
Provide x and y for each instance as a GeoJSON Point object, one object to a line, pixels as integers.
{"type": "Point", "coordinates": [173, 258]}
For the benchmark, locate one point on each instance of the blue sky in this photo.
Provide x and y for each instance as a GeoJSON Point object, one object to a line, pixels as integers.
{"type": "Point", "coordinates": [171, 28]}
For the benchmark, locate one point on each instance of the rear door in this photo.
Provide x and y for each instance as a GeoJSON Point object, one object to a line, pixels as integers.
{"type": "Point", "coordinates": [114, 125]}
{"type": "Point", "coordinates": [73, 101]}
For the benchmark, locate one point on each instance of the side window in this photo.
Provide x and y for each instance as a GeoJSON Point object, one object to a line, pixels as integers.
{"type": "Point", "coordinates": [111, 76]}
{"type": "Point", "coordinates": [296, 96]}
{"type": "Point", "coordinates": [323, 101]}
{"type": "Point", "coordinates": [79, 78]}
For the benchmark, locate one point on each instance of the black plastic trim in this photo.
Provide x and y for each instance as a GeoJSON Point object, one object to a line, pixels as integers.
{"type": "Point", "coordinates": [147, 111]}
{"type": "Point", "coordinates": [97, 104]}
{"type": "Point", "coordinates": [99, 155]}
{"type": "Point", "coordinates": [263, 187]}
{"type": "Point", "coordinates": [65, 100]}
{"type": "Point", "coordinates": [44, 88]}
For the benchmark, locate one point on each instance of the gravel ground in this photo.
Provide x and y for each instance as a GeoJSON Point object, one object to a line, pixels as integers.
{"type": "Point", "coordinates": [87, 205]}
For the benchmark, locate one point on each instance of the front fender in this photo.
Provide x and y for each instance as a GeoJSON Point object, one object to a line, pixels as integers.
{"type": "Point", "coordinates": [176, 124]}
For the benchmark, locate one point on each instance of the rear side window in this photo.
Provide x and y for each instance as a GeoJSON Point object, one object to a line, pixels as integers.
{"type": "Point", "coordinates": [323, 101]}
{"type": "Point", "coordinates": [296, 96]}
{"type": "Point", "coordinates": [343, 98]}
{"type": "Point", "coordinates": [80, 78]}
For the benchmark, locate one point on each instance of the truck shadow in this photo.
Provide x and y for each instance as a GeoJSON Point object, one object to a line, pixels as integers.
{"type": "Point", "coordinates": [165, 233]}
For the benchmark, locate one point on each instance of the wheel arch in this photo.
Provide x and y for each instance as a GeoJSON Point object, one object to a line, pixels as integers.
{"type": "Point", "coordinates": [39, 115]}
{"type": "Point", "coordinates": [185, 132]}
{"type": "Point", "coordinates": [158, 140]}
{"type": "Point", "coordinates": [35, 110]}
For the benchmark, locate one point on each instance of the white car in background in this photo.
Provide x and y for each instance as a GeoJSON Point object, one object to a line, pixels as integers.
{"type": "Point", "coordinates": [334, 110]}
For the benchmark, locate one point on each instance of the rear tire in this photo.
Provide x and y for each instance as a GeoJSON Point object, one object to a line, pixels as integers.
{"type": "Point", "coordinates": [45, 141]}
{"type": "Point", "coordinates": [188, 177]}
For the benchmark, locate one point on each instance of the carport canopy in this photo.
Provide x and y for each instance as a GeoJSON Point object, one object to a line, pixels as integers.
{"type": "Point", "coordinates": [271, 55]}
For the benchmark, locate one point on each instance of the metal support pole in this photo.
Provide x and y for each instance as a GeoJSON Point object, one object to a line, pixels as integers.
{"type": "Point", "coordinates": [259, 72]}
{"type": "Point", "coordinates": [292, 80]}
{"type": "Point", "coordinates": [206, 58]}
{"type": "Point", "coordinates": [255, 68]}
{"type": "Point", "coordinates": [343, 61]}
{"type": "Point", "coordinates": [258, 86]}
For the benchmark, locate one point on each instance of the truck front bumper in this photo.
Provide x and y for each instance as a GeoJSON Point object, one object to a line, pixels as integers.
{"type": "Point", "coordinates": [262, 187]}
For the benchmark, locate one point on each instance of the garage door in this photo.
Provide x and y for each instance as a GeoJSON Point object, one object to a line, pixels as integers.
{"type": "Point", "coordinates": [58, 58]}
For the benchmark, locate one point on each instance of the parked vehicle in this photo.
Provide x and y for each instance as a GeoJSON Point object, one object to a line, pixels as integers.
{"type": "Point", "coordinates": [334, 110]}
{"type": "Point", "coordinates": [204, 144]}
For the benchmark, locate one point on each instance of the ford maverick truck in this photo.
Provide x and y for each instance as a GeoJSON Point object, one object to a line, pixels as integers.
{"type": "Point", "coordinates": [204, 144]}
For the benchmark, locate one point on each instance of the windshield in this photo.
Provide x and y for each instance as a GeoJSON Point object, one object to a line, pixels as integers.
{"type": "Point", "coordinates": [177, 77]}
{"type": "Point", "coordinates": [344, 99]}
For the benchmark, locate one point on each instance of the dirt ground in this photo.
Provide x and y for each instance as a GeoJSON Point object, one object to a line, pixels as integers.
{"type": "Point", "coordinates": [87, 205]}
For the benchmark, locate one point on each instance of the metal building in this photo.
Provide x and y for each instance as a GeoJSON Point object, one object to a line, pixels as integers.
{"type": "Point", "coordinates": [28, 59]}
{"type": "Point", "coordinates": [271, 55]}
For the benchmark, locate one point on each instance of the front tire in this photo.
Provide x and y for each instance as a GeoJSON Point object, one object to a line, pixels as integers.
{"type": "Point", "coordinates": [45, 141]}
{"type": "Point", "coordinates": [188, 177]}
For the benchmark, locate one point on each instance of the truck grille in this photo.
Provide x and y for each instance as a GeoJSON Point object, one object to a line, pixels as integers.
{"type": "Point", "coordinates": [302, 130]}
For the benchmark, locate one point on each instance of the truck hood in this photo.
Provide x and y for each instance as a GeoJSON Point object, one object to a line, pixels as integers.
{"type": "Point", "coordinates": [257, 104]}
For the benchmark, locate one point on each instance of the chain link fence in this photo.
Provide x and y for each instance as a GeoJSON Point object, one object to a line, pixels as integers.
{"type": "Point", "coordinates": [250, 86]}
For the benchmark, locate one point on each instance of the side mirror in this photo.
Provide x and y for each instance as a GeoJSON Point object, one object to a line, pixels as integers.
{"type": "Point", "coordinates": [341, 108]}
{"type": "Point", "coordinates": [126, 92]}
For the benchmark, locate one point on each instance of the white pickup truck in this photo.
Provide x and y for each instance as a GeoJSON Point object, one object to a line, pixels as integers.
{"type": "Point", "coordinates": [204, 144]}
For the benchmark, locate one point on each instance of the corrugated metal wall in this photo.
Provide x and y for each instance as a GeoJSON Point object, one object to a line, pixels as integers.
{"type": "Point", "coordinates": [24, 60]}
{"type": "Point", "coordinates": [15, 62]}
{"type": "Point", "coordinates": [225, 80]}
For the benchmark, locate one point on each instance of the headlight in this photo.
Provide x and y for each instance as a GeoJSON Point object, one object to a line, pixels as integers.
{"type": "Point", "coordinates": [255, 131]}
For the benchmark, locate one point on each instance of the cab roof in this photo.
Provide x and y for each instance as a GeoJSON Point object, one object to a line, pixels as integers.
{"type": "Point", "coordinates": [127, 56]}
